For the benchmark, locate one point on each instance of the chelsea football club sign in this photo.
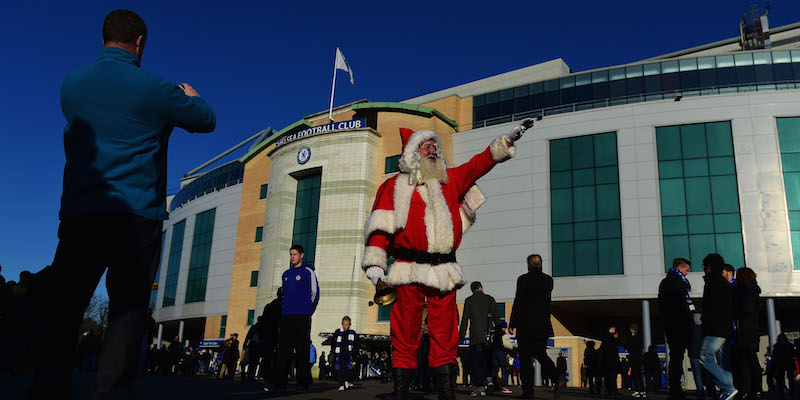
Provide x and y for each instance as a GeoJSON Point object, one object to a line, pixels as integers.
{"type": "Point", "coordinates": [323, 129]}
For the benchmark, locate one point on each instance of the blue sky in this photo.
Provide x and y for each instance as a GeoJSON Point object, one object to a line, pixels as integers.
{"type": "Point", "coordinates": [261, 64]}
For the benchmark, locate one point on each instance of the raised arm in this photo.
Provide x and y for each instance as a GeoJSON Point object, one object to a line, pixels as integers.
{"type": "Point", "coordinates": [188, 111]}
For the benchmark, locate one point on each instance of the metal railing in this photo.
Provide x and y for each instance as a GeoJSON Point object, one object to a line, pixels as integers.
{"type": "Point", "coordinates": [641, 98]}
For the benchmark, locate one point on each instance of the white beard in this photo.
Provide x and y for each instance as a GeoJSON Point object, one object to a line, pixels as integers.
{"type": "Point", "coordinates": [428, 169]}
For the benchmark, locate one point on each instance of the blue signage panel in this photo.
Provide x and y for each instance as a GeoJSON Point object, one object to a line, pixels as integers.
{"type": "Point", "coordinates": [323, 129]}
{"type": "Point", "coordinates": [211, 342]}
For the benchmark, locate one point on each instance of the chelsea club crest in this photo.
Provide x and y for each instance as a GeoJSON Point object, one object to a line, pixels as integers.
{"type": "Point", "coordinates": [303, 155]}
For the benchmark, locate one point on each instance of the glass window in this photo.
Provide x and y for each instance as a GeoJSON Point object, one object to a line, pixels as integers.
{"type": "Point", "coordinates": [390, 166]}
{"type": "Point", "coordinates": [689, 64]}
{"type": "Point", "coordinates": [584, 79]}
{"type": "Point", "coordinates": [384, 313]}
{"type": "Point", "coordinates": [699, 199]}
{"type": "Point", "coordinates": [506, 94]}
{"type": "Point", "coordinates": [259, 233]}
{"type": "Point", "coordinates": [741, 60]}
{"type": "Point", "coordinates": [585, 210]}
{"type": "Point", "coordinates": [551, 85]}
{"type": "Point", "coordinates": [780, 57]}
{"type": "Point", "coordinates": [633, 72]}
{"type": "Point", "coordinates": [201, 256]}
{"type": "Point", "coordinates": [567, 82]}
{"type": "Point", "coordinates": [652, 69]}
{"type": "Point", "coordinates": [501, 310]}
{"type": "Point", "coordinates": [478, 100]}
{"type": "Point", "coordinates": [669, 67]}
{"type": "Point", "coordinates": [795, 55]}
{"type": "Point", "coordinates": [599, 76]}
{"type": "Point", "coordinates": [251, 314]}
{"type": "Point", "coordinates": [306, 215]}
{"type": "Point", "coordinates": [222, 325]}
{"type": "Point", "coordinates": [173, 264]}
{"type": "Point", "coordinates": [253, 278]}
{"type": "Point", "coordinates": [536, 88]}
{"type": "Point", "coordinates": [521, 91]}
{"type": "Point", "coordinates": [789, 139]}
{"type": "Point", "coordinates": [616, 74]}
{"type": "Point", "coordinates": [706, 63]}
{"type": "Point", "coordinates": [263, 194]}
{"type": "Point", "coordinates": [493, 97]}
{"type": "Point", "coordinates": [724, 61]}
{"type": "Point", "coordinates": [762, 58]}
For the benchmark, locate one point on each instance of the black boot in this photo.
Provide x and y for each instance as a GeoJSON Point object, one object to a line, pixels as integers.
{"type": "Point", "coordinates": [402, 383]}
{"type": "Point", "coordinates": [443, 376]}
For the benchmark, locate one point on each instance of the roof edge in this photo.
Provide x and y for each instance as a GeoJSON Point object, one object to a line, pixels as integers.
{"type": "Point", "coordinates": [387, 105]}
{"type": "Point", "coordinates": [268, 141]}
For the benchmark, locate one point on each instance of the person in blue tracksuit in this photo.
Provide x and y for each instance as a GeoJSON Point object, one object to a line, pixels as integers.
{"type": "Point", "coordinates": [300, 299]}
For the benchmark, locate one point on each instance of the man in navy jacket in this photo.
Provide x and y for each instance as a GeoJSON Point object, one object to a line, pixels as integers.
{"type": "Point", "coordinates": [300, 299]}
{"type": "Point", "coordinates": [119, 119]}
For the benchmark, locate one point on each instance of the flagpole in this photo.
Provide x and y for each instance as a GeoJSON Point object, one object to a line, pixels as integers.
{"type": "Point", "coordinates": [333, 85]}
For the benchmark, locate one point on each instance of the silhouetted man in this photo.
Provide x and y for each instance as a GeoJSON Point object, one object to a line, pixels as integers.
{"type": "Point", "coordinates": [530, 316]}
{"type": "Point", "coordinates": [119, 120]}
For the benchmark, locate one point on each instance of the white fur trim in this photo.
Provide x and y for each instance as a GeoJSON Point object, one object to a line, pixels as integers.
{"type": "Point", "coordinates": [438, 219]}
{"type": "Point", "coordinates": [473, 199]}
{"type": "Point", "coordinates": [501, 150]}
{"type": "Point", "coordinates": [402, 200]}
{"type": "Point", "coordinates": [379, 220]}
{"type": "Point", "coordinates": [416, 139]}
{"type": "Point", "coordinates": [374, 257]}
{"type": "Point", "coordinates": [445, 277]}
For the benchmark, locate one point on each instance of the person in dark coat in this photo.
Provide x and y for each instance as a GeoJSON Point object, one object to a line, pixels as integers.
{"type": "Point", "coordinates": [174, 350]}
{"type": "Point", "coordinates": [343, 347]}
{"type": "Point", "coordinates": [746, 310]}
{"type": "Point", "coordinates": [593, 367]}
{"type": "Point", "coordinates": [270, 317]}
{"type": "Point", "coordinates": [252, 342]}
{"type": "Point", "coordinates": [783, 364]}
{"type": "Point", "coordinates": [561, 369]}
{"type": "Point", "coordinates": [717, 323]}
{"type": "Point", "coordinates": [676, 305]}
{"type": "Point", "coordinates": [530, 316]}
{"type": "Point", "coordinates": [610, 351]}
{"type": "Point", "coordinates": [480, 310]}
{"type": "Point", "coordinates": [323, 366]}
{"type": "Point", "coordinates": [635, 346]}
{"type": "Point", "coordinates": [652, 369]}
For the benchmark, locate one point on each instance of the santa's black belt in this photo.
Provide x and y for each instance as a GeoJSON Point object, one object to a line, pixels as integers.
{"type": "Point", "coordinates": [423, 257]}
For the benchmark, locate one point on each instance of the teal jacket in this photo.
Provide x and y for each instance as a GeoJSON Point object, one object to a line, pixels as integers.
{"type": "Point", "coordinates": [119, 119]}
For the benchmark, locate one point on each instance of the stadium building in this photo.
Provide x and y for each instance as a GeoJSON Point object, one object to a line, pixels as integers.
{"type": "Point", "coordinates": [681, 155]}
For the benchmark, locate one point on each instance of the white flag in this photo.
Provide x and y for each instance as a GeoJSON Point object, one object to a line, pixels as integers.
{"type": "Point", "coordinates": [341, 63]}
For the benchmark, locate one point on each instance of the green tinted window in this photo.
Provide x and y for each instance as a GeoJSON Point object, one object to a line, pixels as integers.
{"type": "Point", "coordinates": [384, 313]}
{"type": "Point", "coordinates": [306, 214]}
{"type": "Point", "coordinates": [222, 325]}
{"type": "Point", "coordinates": [585, 214]}
{"type": "Point", "coordinates": [253, 278]}
{"type": "Point", "coordinates": [789, 138]}
{"type": "Point", "coordinates": [173, 264]}
{"type": "Point", "coordinates": [391, 164]}
{"type": "Point", "coordinates": [263, 194]}
{"type": "Point", "coordinates": [201, 256]}
{"type": "Point", "coordinates": [259, 233]}
{"type": "Point", "coordinates": [699, 198]}
{"type": "Point", "coordinates": [251, 315]}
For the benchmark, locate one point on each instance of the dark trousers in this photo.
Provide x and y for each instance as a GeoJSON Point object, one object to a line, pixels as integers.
{"type": "Point", "coordinates": [528, 350]}
{"type": "Point", "coordinates": [747, 378]}
{"type": "Point", "coordinates": [676, 350]}
{"type": "Point", "coordinates": [267, 370]}
{"type": "Point", "coordinates": [636, 375]}
{"type": "Point", "coordinates": [653, 381]}
{"type": "Point", "coordinates": [480, 363]}
{"type": "Point", "coordinates": [129, 247]}
{"type": "Point", "coordinates": [254, 355]}
{"type": "Point", "coordinates": [500, 368]}
{"type": "Point", "coordinates": [595, 386]}
{"type": "Point", "coordinates": [294, 337]}
{"type": "Point", "coordinates": [341, 373]}
{"type": "Point", "coordinates": [610, 377]}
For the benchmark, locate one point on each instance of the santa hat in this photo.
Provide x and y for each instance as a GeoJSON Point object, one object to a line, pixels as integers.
{"type": "Point", "coordinates": [411, 142]}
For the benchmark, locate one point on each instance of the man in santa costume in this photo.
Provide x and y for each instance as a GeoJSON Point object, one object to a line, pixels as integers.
{"type": "Point", "coordinates": [419, 218]}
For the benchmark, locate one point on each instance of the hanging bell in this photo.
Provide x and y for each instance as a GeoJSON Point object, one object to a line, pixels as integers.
{"type": "Point", "coordinates": [384, 294]}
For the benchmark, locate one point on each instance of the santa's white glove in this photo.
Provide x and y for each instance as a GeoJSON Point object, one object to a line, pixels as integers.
{"type": "Point", "coordinates": [375, 274]}
{"type": "Point", "coordinates": [518, 130]}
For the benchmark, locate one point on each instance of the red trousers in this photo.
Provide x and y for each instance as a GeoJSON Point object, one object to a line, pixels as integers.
{"type": "Point", "coordinates": [406, 323]}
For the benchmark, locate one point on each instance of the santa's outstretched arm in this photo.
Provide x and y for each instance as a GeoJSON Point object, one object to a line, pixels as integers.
{"type": "Point", "coordinates": [501, 149]}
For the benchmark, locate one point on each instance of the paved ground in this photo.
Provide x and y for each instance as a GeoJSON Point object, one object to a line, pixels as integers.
{"type": "Point", "coordinates": [202, 388]}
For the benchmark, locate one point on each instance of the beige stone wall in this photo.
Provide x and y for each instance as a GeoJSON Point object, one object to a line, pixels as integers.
{"type": "Point", "coordinates": [211, 330]}
{"type": "Point", "coordinates": [456, 108]}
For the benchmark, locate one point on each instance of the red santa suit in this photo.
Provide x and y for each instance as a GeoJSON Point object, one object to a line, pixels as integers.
{"type": "Point", "coordinates": [421, 226]}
